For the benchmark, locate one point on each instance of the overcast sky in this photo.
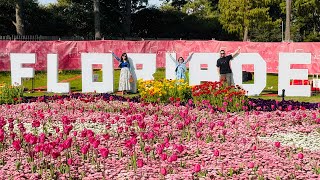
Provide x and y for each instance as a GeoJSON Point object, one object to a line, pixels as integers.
{"type": "Point", "coordinates": [151, 2]}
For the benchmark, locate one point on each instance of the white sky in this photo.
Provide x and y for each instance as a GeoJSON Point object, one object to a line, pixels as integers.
{"type": "Point", "coordinates": [151, 2]}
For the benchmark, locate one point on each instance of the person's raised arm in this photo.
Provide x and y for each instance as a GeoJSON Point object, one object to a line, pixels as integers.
{"type": "Point", "coordinates": [115, 56]}
{"type": "Point", "coordinates": [189, 58]}
{"type": "Point", "coordinates": [172, 58]}
{"type": "Point", "coordinates": [236, 53]}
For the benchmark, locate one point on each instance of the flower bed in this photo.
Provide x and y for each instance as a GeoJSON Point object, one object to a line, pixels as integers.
{"type": "Point", "coordinates": [96, 137]}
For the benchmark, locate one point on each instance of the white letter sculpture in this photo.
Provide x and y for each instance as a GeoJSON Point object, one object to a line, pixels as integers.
{"type": "Point", "coordinates": [87, 60]}
{"type": "Point", "coordinates": [17, 71]}
{"type": "Point", "coordinates": [52, 76]}
{"type": "Point", "coordinates": [196, 74]}
{"type": "Point", "coordinates": [286, 74]}
{"type": "Point", "coordinates": [260, 70]}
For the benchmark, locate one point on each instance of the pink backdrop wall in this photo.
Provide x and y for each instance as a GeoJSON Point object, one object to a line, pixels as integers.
{"type": "Point", "coordinates": [69, 51]}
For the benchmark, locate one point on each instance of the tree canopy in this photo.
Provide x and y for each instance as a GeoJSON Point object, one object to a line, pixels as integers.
{"type": "Point", "coordinates": [187, 19]}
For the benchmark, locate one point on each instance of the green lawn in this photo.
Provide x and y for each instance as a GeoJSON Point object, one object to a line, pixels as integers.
{"type": "Point", "coordinates": [74, 78]}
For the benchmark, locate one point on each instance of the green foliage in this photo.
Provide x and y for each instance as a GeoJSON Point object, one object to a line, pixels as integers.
{"type": "Point", "coordinates": [237, 15]}
{"type": "Point", "coordinates": [10, 94]}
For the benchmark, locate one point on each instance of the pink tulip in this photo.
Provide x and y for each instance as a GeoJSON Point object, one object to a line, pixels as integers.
{"type": "Point", "coordinates": [70, 161]}
{"type": "Point", "coordinates": [96, 143]}
{"type": "Point", "coordinates": [197, 168]}
{"type": "Point", "coordinates": [163, 157]}
{"type": "Point", "coordinates": [140, 163]}
{"type": "Point", "coordinates": [250, 165]}
{"type": "Point", "coordinates": [216, 153]}
{"type": "Point", "coordinates": [104, 152]}
{"type": "Point", "coordinates": [163, 171]}
{"type": "Point", "coordinates": [16, 145]}
{"type": "Point", "coordinates": [84, 149]}
{"type": "Point", "coordinates": [300, 156]}
{"type": "Point", "coordinates": [198, 134]}
{"type": "Point", "coordinates": [277, 144]}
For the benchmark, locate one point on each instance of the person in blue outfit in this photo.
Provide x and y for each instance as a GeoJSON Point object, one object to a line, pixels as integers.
{"type": "Point", "coordinates": [181, 67]}
{"type": "Point", "coordinates": [126, 78]}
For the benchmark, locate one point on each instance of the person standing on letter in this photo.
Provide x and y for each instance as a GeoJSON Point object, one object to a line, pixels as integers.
{"type": "Point", "coordinates": [125, 73]}
{"type": "Point", "coordinates": [224, 66]}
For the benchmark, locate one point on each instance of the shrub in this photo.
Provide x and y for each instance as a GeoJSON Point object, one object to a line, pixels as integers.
{"type": "Point", "coordinates": [10, 94]}
{"type": "Point", "coordinates": [219, 96]}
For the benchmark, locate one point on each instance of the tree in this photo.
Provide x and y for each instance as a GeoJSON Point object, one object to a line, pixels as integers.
{"type": "Point", "coordinates": [305, 24]}
{"type": "Point", "coordinates": [288, 17]}
{"type": "Point", "coordinates": [19, 17]}
{"type": "Point", "coordinates": [200, 8]}
{"type": "Point", "coordinates": [96, 10]}
{"type": "Point", "coordinates": [238, 16]}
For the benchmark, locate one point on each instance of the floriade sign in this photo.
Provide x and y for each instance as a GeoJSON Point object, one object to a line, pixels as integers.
{"type": "Point", "coordinates": [289, 60]}
{"type": "Point", "coordinates": [144, 66]}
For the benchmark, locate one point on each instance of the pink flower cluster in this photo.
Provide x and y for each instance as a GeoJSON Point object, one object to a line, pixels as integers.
{"type": "Point", "coordinates": [96, 139]}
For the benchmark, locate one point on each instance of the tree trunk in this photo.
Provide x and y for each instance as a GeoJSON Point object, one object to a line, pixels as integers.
{"type": "Point", "coordinates": [96, 11]}
{"type": "Point", "coordinates": [288, 15]}
{"type": "Point", "coordinates": [127, 19]}
{"type": "Point", "coordinates": [245, 34]}
{"type": "Point", "coordinates": [19, 17]}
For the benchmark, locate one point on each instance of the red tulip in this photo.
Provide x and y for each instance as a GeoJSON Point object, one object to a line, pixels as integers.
{"type": "Point", "coordinates": [277, 144]}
